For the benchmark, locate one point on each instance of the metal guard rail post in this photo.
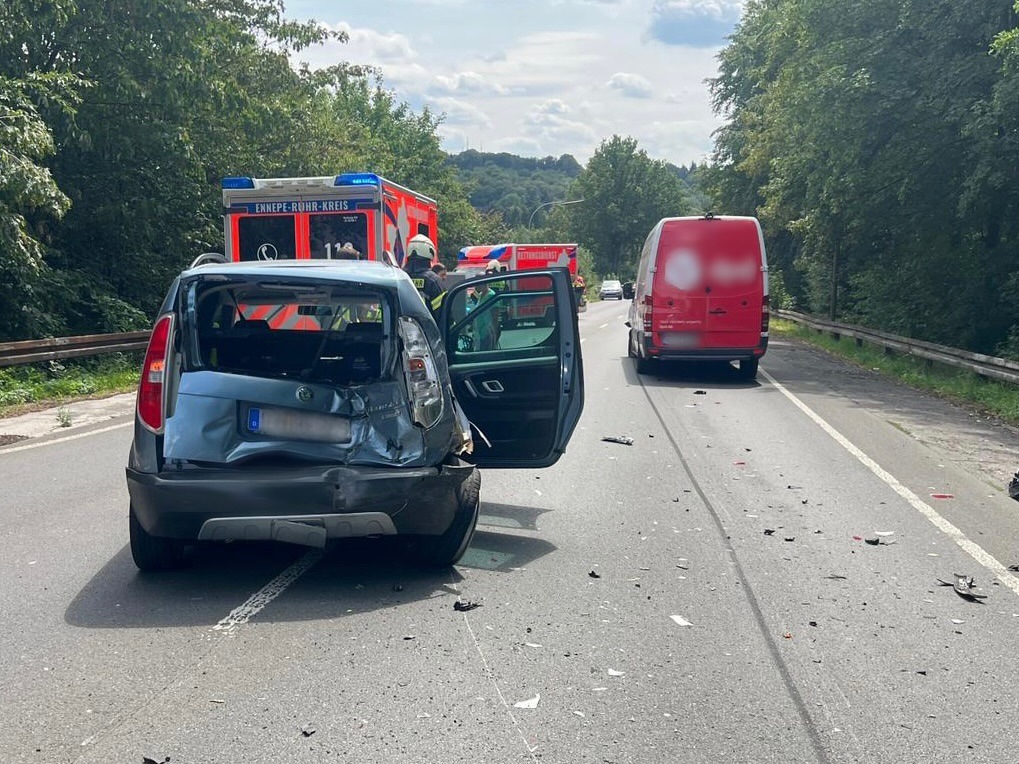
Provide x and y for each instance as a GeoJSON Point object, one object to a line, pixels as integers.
{"type": "Point", "coordinates": [988, 366]}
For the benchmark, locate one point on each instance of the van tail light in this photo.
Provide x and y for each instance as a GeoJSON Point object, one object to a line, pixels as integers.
{"type": "Point", "coordinates": [765, 315]}
{"type": "Point", "coordinates": [648, 310]}
{"type": "Point", "coordinates": [151, 404]}
{"type": "Point", "coordinates": [419, 372]}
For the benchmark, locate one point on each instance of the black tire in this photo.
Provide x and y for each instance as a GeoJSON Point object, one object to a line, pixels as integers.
{"type": "Point", "coordinates": [154, 553]}
{"type": "Point", "coordinates": [748, 368]}
{"type": "Point", "coordinates": [645, 365]}
{"type": "Point", "coordinates": [447, 549]}
{"type": "Point", "coordinates": [629, 345]}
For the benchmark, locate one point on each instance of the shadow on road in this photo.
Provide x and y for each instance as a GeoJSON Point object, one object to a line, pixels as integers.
{"type": "Point", "coordinates": [354, 576]}
{"type": "Point", "coordinates": [688, 374]}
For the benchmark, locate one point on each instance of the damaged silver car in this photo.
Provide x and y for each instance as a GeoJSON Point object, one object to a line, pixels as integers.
{"type": "Point", "coordinates": [304, 401]}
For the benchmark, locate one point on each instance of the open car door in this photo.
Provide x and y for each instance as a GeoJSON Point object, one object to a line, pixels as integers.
{"type": "Point", "coordinates": [513, 351]}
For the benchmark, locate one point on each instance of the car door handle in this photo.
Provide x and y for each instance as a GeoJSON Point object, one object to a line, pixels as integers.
{"type": "Point", "coordinates": [493, 386]}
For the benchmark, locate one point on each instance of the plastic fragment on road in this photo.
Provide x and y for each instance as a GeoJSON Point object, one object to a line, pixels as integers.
{"type": "Point", "coordinates": [836, 577]}
{"type": "Point", "coordinates": [531, 644]}
{"type": "Point", "coordinates": [1014, 568]}
{"type": "Point", "coordinates": [884, 533]}
{"type": "Point", "coordinates": [529, 703]}
{"type": "Point", "coordinates": [579, 713]}
{"type": "Point", "coordinates": [593, 574]}
{"type": "Point", "coordinates": [623, 440]}
{"type": "Point", "coordinates": [965, 587]}
{"type": "Point", "coordinates": [307, 730]}
{"type": "Point", "coordinates": [740, 464]}
{"type": "Point", "coordinates": [942, 495]}
{"type": "Point", "coordinates": [769, 531]}
{"type": "Point", "coordinates": [147, 760]}
{"type": "Point", "coordinates": [462, 606]}
{"type": "Point", "coordinates": [700, 392]}
{"type": "Point", "coordinates": [613, 672]}
{"type": "Point", "coordinates": [1013, 487]}
{"type": "Point", "coordinates": [680, 620]}
{"type": "Point", "coordinates": [408, 637]}
{"type": "Point", "coordinates": [790, 538]}
{"type": "Point", "coordinates": [787, 635]}
{"type": "Point", "coordinates": [216, 700]}
{"type": "Point", "coordinates": [880, 542]}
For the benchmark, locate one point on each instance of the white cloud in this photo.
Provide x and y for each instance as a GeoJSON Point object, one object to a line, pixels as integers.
{"type": "Point", "coordinates": [631, 85]}
{"type": "Point", "coordinates": [468, 82]}
{"type": "Point", "coordinates": [460, 112]}
{"type": "Point", "coordinates": [378, 47]}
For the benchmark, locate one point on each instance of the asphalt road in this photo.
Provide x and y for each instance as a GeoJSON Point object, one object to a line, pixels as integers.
{"type": "Point", "coordinates": [738, 614]}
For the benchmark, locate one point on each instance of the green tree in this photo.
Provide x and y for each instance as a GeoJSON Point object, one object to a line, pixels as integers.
{"type": "Point", "coordinates": [625, 193]}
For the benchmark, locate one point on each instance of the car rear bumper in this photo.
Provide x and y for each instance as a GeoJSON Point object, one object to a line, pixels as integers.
{"type": "Point", "coordinates": [704, 354]}
{"type": "Point", "coordinates": [340, 501]}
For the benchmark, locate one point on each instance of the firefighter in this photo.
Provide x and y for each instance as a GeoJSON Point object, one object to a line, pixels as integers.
{"type": "Point", "coordinates": [420, 254]}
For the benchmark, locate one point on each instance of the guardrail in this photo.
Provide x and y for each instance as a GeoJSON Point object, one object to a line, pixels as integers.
{"type": "Point", "coordinates": [53, 348]}
{"type": "Point", "coordinates": [988, 366]}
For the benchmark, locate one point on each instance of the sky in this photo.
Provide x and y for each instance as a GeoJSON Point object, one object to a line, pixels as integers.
{"type": "Point", "coordinates": [542, 77]}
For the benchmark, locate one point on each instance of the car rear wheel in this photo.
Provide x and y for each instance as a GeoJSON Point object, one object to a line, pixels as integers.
{"type": "Point", "coordinates": [154, 553]}
{"type": "Point", "coordinates": [644, 365]}
{"type": "Point", "coordinates": [447, 549]}
{"type": "Point", "coordinates": [748, 368]}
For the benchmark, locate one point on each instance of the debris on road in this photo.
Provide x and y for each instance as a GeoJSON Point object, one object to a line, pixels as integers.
{"type": "Point", "coordinates": [613, 672]}
{"type": "Point", "coordinates": [594, 574]}
{"type": "Point", "coordinates": [462, 606]}
{"type": "Point", "coordinates": [790, 538]}
{"type": "Point", "coordinates": [1013, 487]}
{"type": "Point", "coordinates": [880, 541]}
{"type": "Point", "coordinates": [307, 730]}
{"type": "Point", "coordinates": [147, 760]}
{"type": "Point", "coordinates": [769, 531]}
{"type": "Point", "coordinates": [942, 496]}
{"type": "Point", "coordinates": [836, 577]}
{"type": "Point", "coordinates": [409, 637]}
{"type": "Point", "coordinates": [740, 464]}
{"type": "Point", "coordinates": [812, 623]}
{"type": "Point", "coordinates": [964, 586]}
{"type": "Point", "coordinates": [1014, 568]}
{"type": "Point", "coordinates": [795, 487]}
{"type": "Point", "coordinates": [216, 700]}
{"type": "Point", "coordinates": [787, 635]}
{"type": "Point", "coordinates": [529, 703]}
{"type": "Point", "coordinates": [680, 620]}
{"type": "Point", "coordinates": [700, 392]}
{"type": "Point", "coordinates": [884, 533]}
{"type": "Point", "coordinates": [624, 440]}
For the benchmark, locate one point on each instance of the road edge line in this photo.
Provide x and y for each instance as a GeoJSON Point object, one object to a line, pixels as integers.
{"type": "Point", "coordinates": [974, 550]}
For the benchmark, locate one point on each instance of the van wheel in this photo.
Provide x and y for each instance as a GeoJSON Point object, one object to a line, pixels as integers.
{"type": "Point", "coordinates": [447, 549]}
{"type": "Point", "coordinates": [629, 345]}
{"type": "Point", "coordinates": [644, 365]}
{"type": "Point", "coordinates": [152, 552]}
{"type": "Point", "coordinates": [748, 368]}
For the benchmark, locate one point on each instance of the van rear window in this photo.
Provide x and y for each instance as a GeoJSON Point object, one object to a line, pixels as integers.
{"type": "Point", "coordinates": [324, 335]}
{"type": "Point", "coordinates": [330, 232]}
{"type": "Point", "coordinates": [266, 237]}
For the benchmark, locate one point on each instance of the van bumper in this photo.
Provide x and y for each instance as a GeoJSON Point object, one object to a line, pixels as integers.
{"type": "Point", "coordinates": [703, 354]}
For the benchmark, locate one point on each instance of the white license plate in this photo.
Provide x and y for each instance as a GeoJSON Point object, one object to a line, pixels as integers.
{"type": "Point", "coordinates": [290, 424]}
{"type": "Point", "coordinates": [681, 339]}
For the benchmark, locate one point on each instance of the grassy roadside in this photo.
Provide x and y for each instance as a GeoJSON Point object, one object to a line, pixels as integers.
{"type": "Point", "coordinates": [31, 388]}
{"type": "Point", "coordinates": [998, 399]}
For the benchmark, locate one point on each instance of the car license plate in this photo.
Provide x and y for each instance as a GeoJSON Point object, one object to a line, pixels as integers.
{"type": "Point", "coordinates": [290, 424]}
{"type": "Point", "coordinates": [681, 339]}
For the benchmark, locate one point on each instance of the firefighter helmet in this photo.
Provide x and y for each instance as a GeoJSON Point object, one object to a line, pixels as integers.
{"type": "Point", "coordinates": [421, 247]}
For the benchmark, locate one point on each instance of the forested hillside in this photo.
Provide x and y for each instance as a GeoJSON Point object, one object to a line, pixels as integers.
{"type": "Point", "coordinates": [878, 141]}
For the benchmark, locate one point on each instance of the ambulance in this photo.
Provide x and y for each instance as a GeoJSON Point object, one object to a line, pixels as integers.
{"type": "Point", "coordinates": [517, 257]}
{"type": "Point", "coordinates": [314, 217]}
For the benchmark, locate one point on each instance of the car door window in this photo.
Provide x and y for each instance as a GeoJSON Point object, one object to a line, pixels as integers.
{"type": "Point", "coordinates": [512, 318]}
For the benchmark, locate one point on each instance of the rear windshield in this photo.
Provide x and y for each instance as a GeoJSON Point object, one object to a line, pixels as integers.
{"type": "Point", "coordinates": [323, 333]}
{"type": "Point", "coordinates": [721, 255]}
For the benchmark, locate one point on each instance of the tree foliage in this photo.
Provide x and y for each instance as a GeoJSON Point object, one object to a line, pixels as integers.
{"type": "Point", "coordinates": [625, 193]}
{"type": "Point", "coordinates": [878, 141]}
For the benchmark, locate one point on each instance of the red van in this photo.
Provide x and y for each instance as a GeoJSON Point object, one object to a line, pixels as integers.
{"type": "Point", "coordinates": [701, 294]}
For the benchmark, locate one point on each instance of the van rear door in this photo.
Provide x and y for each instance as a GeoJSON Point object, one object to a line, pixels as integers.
{"type": "Point", "coordinates": [709, 283]}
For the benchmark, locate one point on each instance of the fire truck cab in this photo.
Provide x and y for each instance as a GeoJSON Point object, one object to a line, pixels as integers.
{"type": "Point", "coordinates": [314, 217]}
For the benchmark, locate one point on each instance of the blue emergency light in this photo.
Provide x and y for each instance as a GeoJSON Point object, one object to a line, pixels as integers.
{"type": "Point", "coordinates": [357, 179]}
{"type": "Point", "coordinates": [238, 182]}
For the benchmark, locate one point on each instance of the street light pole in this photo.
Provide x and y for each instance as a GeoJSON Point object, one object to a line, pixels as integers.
{"type": "Point", "coordinates": [550, 204]}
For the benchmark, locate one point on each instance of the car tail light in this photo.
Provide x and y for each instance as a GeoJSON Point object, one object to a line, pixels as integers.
{"type": "Point", "coordinates": [648, 305]}
{"type": "Point", "coordinates": [150, 389]}
{"type": "Point", "coordinates": [419, 371]}
{"type": "Point", "coordinates": [765, 315]}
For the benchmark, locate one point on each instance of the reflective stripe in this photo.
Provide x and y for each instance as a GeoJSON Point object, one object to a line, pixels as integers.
{"type": "Point", "coordinates": [437, 302]}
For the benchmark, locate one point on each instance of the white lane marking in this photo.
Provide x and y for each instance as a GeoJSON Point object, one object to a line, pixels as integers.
{"type": "Point", "coordinates": [243, 613]}
{"type": "Point", "coordinates": [495, 683]}
{"type": "Point", "coordinates": [971, 548]}
{"type": "Point", "coordinates": [604, 325]}
{"type": "Point", "coordinates": [65, 438]}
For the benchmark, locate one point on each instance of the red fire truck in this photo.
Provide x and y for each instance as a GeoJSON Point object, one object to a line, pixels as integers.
{"type": "Point", "coordinates": [518, 257]}
{"type": "Point", "coordinates": [302, 218]}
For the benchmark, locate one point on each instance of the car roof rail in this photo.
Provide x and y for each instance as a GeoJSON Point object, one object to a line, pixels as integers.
{"type": "Point", "coordinates": [208, 257]}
